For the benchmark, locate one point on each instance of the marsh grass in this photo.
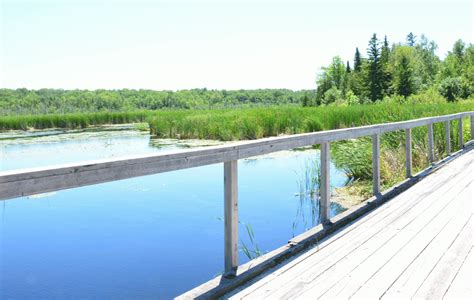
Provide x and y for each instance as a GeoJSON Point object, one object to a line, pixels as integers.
{"type": "Point", "coordinates": [70, 121]}
{"type": "Point", "coordinates": [247, 124]}
{"type": "Point", "coordinates": [251, 250]}
{"type": "Point", "coordinates": [308, 183]}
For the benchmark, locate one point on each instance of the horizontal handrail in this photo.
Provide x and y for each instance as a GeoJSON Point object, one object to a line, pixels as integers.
{"type": "Point", "coordinates": [24, 182]}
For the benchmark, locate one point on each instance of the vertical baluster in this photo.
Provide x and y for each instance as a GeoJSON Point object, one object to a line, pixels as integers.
{"type": "Point", "coordinates": [325, 187]}
{"type": "Point", "coordinates": [408, 162]}
{"type": "Point", "coordinates": [472, 127]}
{"type": "Point", "coordinates": [376, 164]}
{"type": "Point", "coordinates": [230, 217]}
{"type": "Point", "coordinates": [431, 143]}
{"type": "Point", "coordinates": [448, 137]}
{"type": "Point", "coordinates": [461, 137]}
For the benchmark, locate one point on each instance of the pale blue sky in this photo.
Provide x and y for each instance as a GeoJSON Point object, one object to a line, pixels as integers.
{"type": "Point", "coordinates": [214, 44]}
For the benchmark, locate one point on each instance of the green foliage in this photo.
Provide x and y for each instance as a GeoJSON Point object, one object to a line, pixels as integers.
{"type": "Point", "coordinates": [402, 69]}
{"type": "Point", "coordinates": [375, 69]}
{"type": "Point", "coordinates": [253, 123]}
{"type": "Point", "coordinates": [332, 95]}
{"type": "Point", "coordinates": [252, 251]}
{"type": "Point", "coordinates": [451, 88]}
{"type": "Point", "coordinates": [70, 121]}
{"type": "Point", "coordinates": [357, 60]}
{"type": "Point", "coordinates": [354, 157]}
{"type": "Point", "coordinates": [385, 71]}
{"type": "Point", "coordinates": [334, 80]}
{"type": "Point", "coordinates": [411, 39]}
{"type": "Point", "coordinates": [51, 101]}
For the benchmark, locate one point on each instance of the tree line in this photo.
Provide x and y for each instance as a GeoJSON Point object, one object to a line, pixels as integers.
{"type": "Point", "coordinates": [46, 101]}
{"type": "Point", "coordinates": [397, 71]}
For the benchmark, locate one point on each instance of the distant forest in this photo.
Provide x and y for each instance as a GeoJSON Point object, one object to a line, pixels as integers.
{"type": "Point", "coordinates": [46, 101]}
{"type": "Point", "coordinates": [401, 72]}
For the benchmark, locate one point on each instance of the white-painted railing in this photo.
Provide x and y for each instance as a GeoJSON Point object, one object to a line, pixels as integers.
{"type": "Point", "coordinates": [26, 182]}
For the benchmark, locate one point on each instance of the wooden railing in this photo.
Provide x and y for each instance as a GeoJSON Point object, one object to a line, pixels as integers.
{"type": "Point", "coordinates": [26, 182]}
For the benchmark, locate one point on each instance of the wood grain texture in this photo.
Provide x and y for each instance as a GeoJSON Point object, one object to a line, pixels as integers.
{"type": "Point", "coordinates": [325, 188]}
{"type": "Point", "coordinates": [231, 221]}
{"type": "Point", "coordinates": [447, 133]}
{"type": "Point", "coordinates": [408, 153]}
{"type": "Point", "coordinates": [376, 164]}
{"type": "Point", "coordinates": [431, 155]}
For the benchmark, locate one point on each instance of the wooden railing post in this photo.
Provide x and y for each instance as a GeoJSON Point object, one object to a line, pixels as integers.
{"type": "Point", "coordinates": [461, 137]}
{"type": "Point", "coordinates": [408, 162]}
{"type": "Point", "coordinates": [376, 164]}
{"type": "Point", "coordinates": [325, 201]}
{"type": "Point", "coordinates": [230, 217]}
{"type": "Point", "coordinates": [431, 143]}
{"type": "Point", "coordinates": [472, 127]}
{"type": "Point", "coordinates": [448, 137]}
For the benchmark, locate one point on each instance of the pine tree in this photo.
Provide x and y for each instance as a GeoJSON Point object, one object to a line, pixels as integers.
{"type": "Point", "coordinates": [411, 39]}
{"type": "Point", "coordinates": [348, 67]}
{"type": "Point", "coordinates": [357, 60]}
{"type": "Point", "coordinates": [375, 74]}
{"type": "Point", "coordinates": [406, 77]}
{"type": "Point", "coordinates": [385, 68]}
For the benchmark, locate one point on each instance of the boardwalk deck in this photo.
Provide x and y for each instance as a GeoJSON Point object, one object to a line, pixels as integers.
{"type": "Point", "coordinates": [420, 244]}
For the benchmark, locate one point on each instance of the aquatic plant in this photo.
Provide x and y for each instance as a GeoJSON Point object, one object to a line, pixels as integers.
{"type": "Point", "coordinates": [252, 251]}
{"type": "Point", "coordinates": [308, 196]}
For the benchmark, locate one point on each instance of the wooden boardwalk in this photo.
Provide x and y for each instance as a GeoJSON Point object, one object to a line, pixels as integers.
{"type": "Point", "coordinates": [418, 245]}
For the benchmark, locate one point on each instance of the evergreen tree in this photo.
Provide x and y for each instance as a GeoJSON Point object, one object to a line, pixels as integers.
{"type": "Point", "coordinates": [406, 84]}
{"type": "Point", "coordinates": [375, 74]}
{"type": "Point", "coordinates": [357, 60]}
{"type": "Point", "coordinates": [348, 67]}
{"type": "Point", "coordinates": [385, 68]}
{"type": "Point", "coordinates": [404, 75]}
{"type": "Point", "coordinates": [411, 39]}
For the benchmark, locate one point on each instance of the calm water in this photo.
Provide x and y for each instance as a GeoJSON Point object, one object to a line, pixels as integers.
{"type": "Point", "coordinates": [148, 237]}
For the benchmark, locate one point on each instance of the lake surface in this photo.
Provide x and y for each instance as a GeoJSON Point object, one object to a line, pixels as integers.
{"type": "Point", "coordinates": [149, 237]}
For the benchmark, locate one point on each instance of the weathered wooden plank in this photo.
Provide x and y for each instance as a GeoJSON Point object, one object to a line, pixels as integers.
{"type": "Point", "coordinates": [324, 258]}
{"type": "Point", "coordinates": [376, 164]}
{"type": "Point", "coordinates": [40, 180]}
{"type": "Point", "coordinates": [442, 275]}
{"type": "Point", "coordinates": [431, 154]}
{"type": "Point", "coordinates": [407, 283]}
{"type": "Point", "coordinates": [447, 131]}
{"type": "Point", "coordinates": [231, 217]}
{"type": "Point", "coordinates": [430, 243]}
{"type": "Point", "coordinates": [408, 155]}
{"type": "Point", "coordinates": [325, 188]}
{"type": "Point", "coordinates": [462, 286]}
{"type": "Point", "coordinates": [410, 280]}
{"type": "Point", "coordinates": [346, 276]}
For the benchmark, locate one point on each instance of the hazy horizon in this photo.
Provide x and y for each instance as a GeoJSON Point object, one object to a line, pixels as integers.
{"type": "Point", "coordinates": [164, 45]}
